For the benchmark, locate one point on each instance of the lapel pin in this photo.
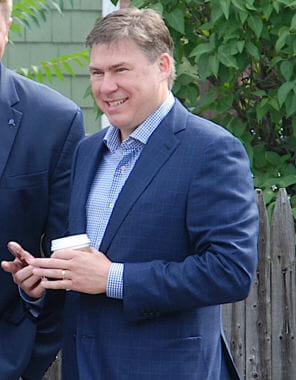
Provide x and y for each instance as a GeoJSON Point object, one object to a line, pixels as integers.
{"type": "Point", "coordinates": [11, 123]}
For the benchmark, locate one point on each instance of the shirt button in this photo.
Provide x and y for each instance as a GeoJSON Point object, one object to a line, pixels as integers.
{"type": "Point", "coordinates": [123, 168]}
{"type": "Point", "coordinates": [111, 205]}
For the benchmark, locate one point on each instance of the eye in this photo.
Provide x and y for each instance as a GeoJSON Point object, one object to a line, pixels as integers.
{"type": "Point", "coordinates": [121, 69]}
{"type": "Point", "coordinates": [96, 73]}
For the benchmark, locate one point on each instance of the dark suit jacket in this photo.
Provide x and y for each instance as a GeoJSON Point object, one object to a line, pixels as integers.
{"type": "Point", "coordinates": [39, 130]}
{"type": "Point", "coordinates": [185, 225]}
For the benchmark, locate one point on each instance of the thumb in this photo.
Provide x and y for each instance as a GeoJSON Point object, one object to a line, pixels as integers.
{"type": "Point", "coordinates": [17, 251]}
{"type": "Point", "coordinates": [9, 266]}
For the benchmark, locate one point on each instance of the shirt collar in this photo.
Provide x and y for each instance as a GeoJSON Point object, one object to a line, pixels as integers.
{"type": "Point", "coordinates": [144, 130]}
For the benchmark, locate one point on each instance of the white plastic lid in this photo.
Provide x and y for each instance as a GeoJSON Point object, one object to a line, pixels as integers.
{"type": "Point", "coordinates": [70, 242]}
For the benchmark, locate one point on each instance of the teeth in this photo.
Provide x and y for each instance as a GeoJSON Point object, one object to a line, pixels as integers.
{"type": "Point", "coordinates": [117, 103]}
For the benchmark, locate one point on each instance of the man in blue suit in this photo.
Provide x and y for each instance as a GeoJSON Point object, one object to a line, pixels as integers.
{"type": "Point", "coordinates": [39, 130]}
{"type": "Point", "coordinates": [167, 200]}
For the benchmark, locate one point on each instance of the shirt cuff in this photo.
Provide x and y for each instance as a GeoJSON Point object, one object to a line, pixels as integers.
{"type": "Point", "coordinates": [115, 281]}
{"type": "Point", "coordinates": [34, 305]}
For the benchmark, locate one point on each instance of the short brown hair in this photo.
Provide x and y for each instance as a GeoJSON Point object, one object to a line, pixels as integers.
{"type": "Point", "coordinates": [6, 8]}
{"type": "Point", "coordinates": [144, 26]}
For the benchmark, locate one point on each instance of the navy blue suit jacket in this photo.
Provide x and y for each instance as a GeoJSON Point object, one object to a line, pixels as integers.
{"type": "Point", "coordinates": [39, 130]}
{"type": "Point", "coordinates": [185, 225]}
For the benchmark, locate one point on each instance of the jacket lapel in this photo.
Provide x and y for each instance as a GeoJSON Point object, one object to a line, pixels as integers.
{"type": "Point", "coordinates": [86, 168]}
{"type": "Point", "coordinates": [157, 151]}
{"type": "Point", "coordinates": [10, 118]}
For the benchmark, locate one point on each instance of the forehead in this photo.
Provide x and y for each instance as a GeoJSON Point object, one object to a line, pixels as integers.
{"type": "Point", "coordinates": [4, 12]}
{"type": "Point", "coordinates": [3, 24]}
{"type": "Point", "coordinates": [125, 50]}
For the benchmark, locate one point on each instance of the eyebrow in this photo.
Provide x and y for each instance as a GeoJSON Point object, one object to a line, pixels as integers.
{"type": "Point", "coordinates": [111, 67]}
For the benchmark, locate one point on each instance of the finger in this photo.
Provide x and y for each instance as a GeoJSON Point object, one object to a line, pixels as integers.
{"type": "Point", "coordinates": [30, 283]}
{"type": "Point", "coordinates": [11, 266]}
{"type": "Point", "coordinates": [58, 284]}
{"type": "Point", "coordinates": [17, 251]}
{"type": "Point", "coordinates": [65, 254]}
{"type": "Point", "coordinates": [23, 274]}
{"type": "Point", "coordinates": [49, 263]}
{"type": "Point", "coordinates": [36, 291]}
{"type": "Point", "coordinates": [52, 273]}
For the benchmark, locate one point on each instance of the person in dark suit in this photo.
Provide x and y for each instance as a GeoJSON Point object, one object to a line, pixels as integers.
{"type": "Point", "coordinates": [39, 130]}
{"type": "Point", "coordinates": [167, 200]}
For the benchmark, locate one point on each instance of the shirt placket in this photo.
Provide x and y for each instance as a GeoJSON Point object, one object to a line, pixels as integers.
{"type": "Point", "coordinates": [121, 173]}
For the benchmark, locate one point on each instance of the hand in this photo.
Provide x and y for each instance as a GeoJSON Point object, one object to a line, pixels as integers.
{"type": "Point", "coordinates": [82, 271]}
{"type": "Point", "coordinates": [22, 271]}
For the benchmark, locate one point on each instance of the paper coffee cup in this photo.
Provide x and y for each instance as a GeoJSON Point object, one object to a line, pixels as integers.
{"type": "Point", "coordinates": [80, 242]}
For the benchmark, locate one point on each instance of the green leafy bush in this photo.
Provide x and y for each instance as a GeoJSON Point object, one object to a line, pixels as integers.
{"type": "Point", "coordinates": [27, 12]}
{"type": "Point", "coordinates": [236, 65]}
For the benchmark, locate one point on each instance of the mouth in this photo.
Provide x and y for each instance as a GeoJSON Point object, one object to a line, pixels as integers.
{"type": "Point", "coordinates": [116, 103]}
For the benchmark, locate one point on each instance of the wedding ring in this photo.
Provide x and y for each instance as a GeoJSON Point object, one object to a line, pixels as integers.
{"type": "Point", "coordinates": [63, 274]}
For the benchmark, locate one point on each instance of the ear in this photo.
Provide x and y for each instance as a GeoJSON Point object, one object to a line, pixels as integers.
{"type": "Point", "coordinates": [8, 26]}
{"type": "Point", "coordinates": [165, 65]}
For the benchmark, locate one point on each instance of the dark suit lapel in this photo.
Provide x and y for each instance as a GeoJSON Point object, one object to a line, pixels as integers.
{"type": "Point", "coordinates": [157, 151]}
{"type": "Point", "coordinates": [10, 118]}
{"type": "Point", "coordinates": [86, 168]}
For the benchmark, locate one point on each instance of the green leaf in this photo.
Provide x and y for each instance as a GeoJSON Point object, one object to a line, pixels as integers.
{"type": "Point", "coordinates": [240, 46]}
{"type": "Point", "coordinates": [291, 104]}
{"type": "Point", "coordinates": [259, 93]}
{"type": "Point", "coordinates": [294, 126]}
{"type": "Point", "coordinates": [276, 6]}
{"type": "Point", "coordinates": [293, 24]}
{"type": "Point", "coordinates": [243, 16]}
{"type": "Point", "coordinates": [135, 3]}
{"type": "Point", "coordinates": [270, 207]}
{"type": "Point", "coordinates": [287, 68]}
{"type": "Point", "coordinates": [268, 196]}
{"type": "Point", "coordinates": [272, 157]}
{"type": "Point", "coordinates": [283, 91]}
{"type": "Point", "coordinates": [273, 102]}
{"type": "Point", "coordinates": [239, 4]}
{"type": "Point", "coordinates": [208, 99]}
{"type": "Point", "coordinates": [157, 7]}
{"type": "Point", "coordinates": [204, 69]}
{"type": "Point", "coordinates": [224, 104]}
{"type": "Point", "coordinates": [230, 47]}
{"type": "Point", "coordinates": [250, 5]}
{"type": "Point", "coordinates": [57, 7]}
{"type": "Point", "coordinates": [68, 68]}
{"type": "Point", "coordinates": [255, 23]}
{"type": "Point", "coordinates": [186, 68]}
{"type": "Point", "coordinates": [200, 50]}
{"type": "Point", "coordinates": [261, 110]}
{"type": "Point", "coordinates": [216, 11]}
{"type": "Point", "coordinates": [287, 181]}
{"type": "Point", "coordinates": [225, 5]}
{"type": "Point", "coordinates": [175, 19]}
{"type": "Point", "coordinates": [227, 60]}
{"type": "Point", "coordinates": [253, 50]}
{"type": "Point", "coordinates": [267, 11]}
{"type": "Point", "coordinates": [284, 34]}
{"type": "Point", "coordinates": [78, 61]}
{"type": "Point", "coordinates": [58, 72]}
{"type": "Point", "coordinates": [37, 73]}
{"type": "Point", "coordinates": [47, 71]}
{"type": "Point", "coordinates": [214, 64]}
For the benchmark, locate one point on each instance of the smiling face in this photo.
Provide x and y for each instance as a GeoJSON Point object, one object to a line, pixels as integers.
{"type": "Point", "coordinates": [126, 86]}
{"type": "Point", "coordinates": [4, 27]}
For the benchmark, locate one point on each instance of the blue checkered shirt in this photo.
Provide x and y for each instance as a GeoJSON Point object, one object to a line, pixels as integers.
{"type": "Point", "coordinates": [115, 167]}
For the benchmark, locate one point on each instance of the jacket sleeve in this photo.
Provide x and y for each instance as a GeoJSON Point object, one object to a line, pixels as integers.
{"type": "Point", "coordinates": [48, 323]}
{"type": "Point", "coordinates": [222, 225]}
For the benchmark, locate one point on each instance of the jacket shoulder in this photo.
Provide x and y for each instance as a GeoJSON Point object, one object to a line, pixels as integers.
{"type": "Point", "coordinates": [38, 92]}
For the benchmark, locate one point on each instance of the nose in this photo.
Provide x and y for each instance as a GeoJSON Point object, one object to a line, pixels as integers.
{"type": "Point", "coordinates": [108, 84]}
